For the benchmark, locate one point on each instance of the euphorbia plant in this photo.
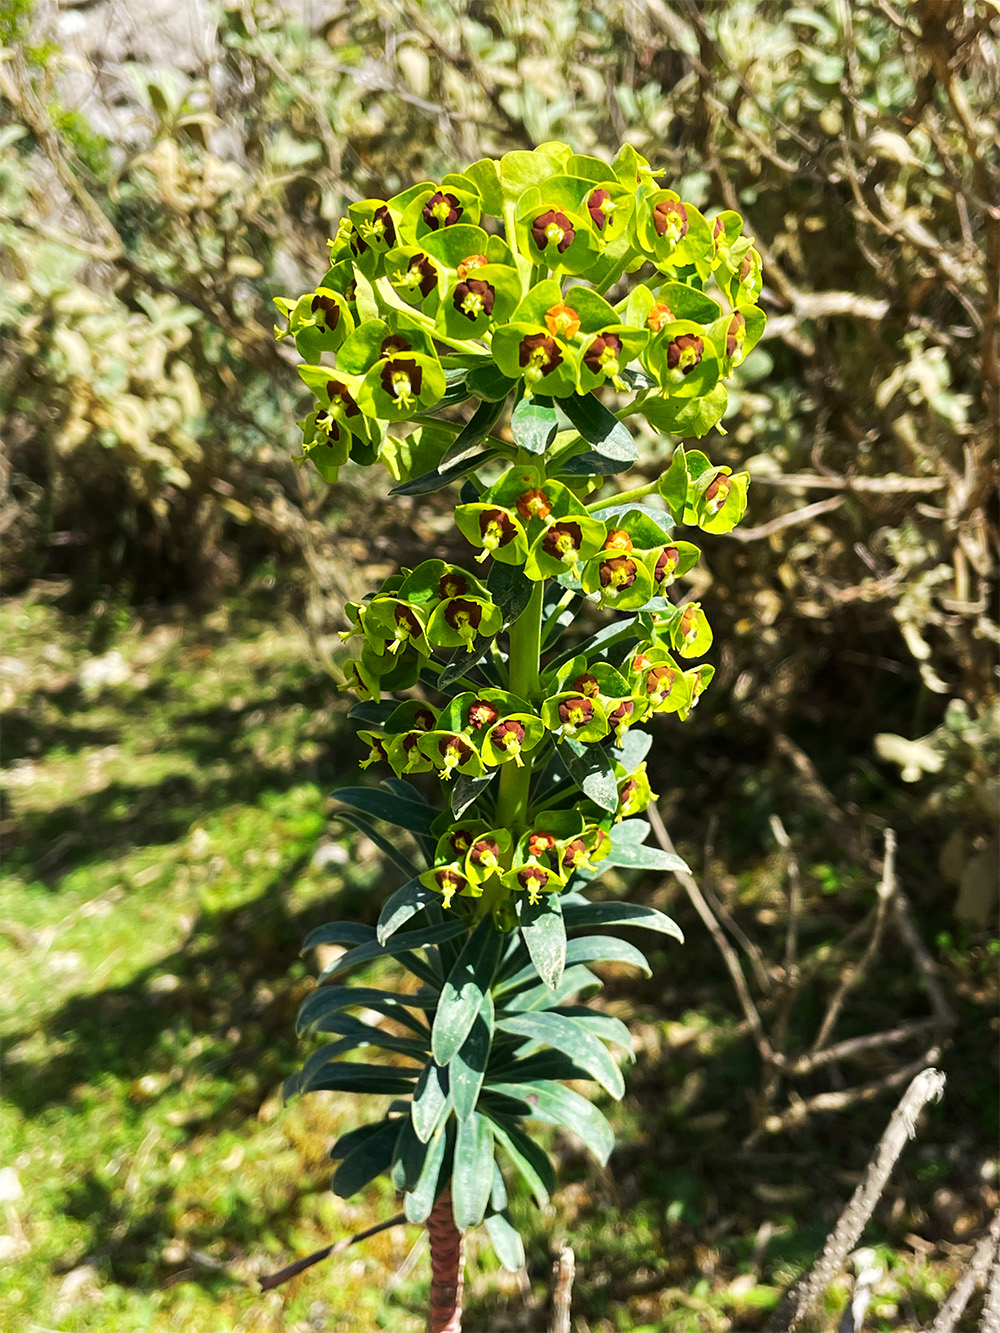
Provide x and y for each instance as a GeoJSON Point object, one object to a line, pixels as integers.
{"type": "Point", "coordinates": [558, 296]}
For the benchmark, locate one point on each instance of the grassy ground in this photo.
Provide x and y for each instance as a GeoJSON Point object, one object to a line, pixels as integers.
{"type": "Point", "coordinates": [167, 847]}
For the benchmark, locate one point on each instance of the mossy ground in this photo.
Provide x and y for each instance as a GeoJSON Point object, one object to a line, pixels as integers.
{"type": "Point", "coordinates": [168, 845]}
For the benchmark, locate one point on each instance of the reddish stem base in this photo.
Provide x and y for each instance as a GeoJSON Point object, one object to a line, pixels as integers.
{"type": "Point", "coordinates": [447, 1264]}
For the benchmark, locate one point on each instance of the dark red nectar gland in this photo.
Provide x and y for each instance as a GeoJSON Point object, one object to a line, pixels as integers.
{"type": "Point", "coordinates": [553, 228]}
{"type": "Point", "coordinates": [481, 714]}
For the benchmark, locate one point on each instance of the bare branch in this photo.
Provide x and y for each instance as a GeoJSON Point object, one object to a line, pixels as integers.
{"type": "Point", "coordinates": [974, 1272]}
{"type": "Point", "coordinates": [293, 1270]}
{"type": "Point", "coordinates": [729, 957]}
{"type": "Point", "coordinates": [563, 1271]}
{"type": "Point", "coordinates": [803, 1298]}
{"type": "Point", "coordinates": [787, 520]}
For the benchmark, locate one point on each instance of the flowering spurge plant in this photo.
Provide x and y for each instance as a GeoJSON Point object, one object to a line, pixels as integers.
{"type": "Point", "coordinates": [556, 296]}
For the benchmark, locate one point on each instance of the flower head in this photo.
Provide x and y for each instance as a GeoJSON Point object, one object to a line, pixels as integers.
{"type": "Point", "coordinates": [684, 352]}
{"type": "Point", "coordinates": [618, 573]}
{"type": "Point", "coordinates": [441, 210]}
{"type": "Point", "coordinates": [481, 714]}
{"type": "Point", "coordinates": [553, 228]}
{"type": "Point", "coordinates": [539, 354]}
{"type": "Point", "coordinates": [659, 314]}
{"type": "Point", "coordinates": [401, 381]}
{"type": "Point", "coordinates": [670, 219]}
{"type": "Point", "coordinates": [470, 263]}
{"type": "Point", "coordinates": [562, 321]}
{"type": "Point", "coordinates": [474, 298]}
{"type": "Point", "coordinates": [534, 504]}
{"type": "Point", "coordinates": [563, 541]}
{"type": "Point", "coordinates": [600, 206]}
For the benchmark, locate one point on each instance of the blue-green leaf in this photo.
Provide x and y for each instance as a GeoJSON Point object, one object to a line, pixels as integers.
{"type": "Point", "coordinates": [462, 995]}
{"type": "Point", "coordinates": [472, 1171]}
{"type": "Point", "coordinates": [475, 430]}
{"type": "Point", "coordinates": [330, 999]}
{"type": "Point", "coordinates": [383, 1079]}
{"type": "Point", "coordinates": [544, 935]}
{"type": "Point", "coordinates": [510, 589]}
{"type": "Point", "coordinates": [468, 1065]}
{"type": "Point", "coordinates": [661, 517]}
{"type": "Point", "coordinates": [399, 946]}
{"type": "Point", "coordinates": [506, 1242]}
{"type": "Point", "coordinates": [467, 788]}
{"type": "Point", "coordinates": [564, 1034]}
{"type": "Point", "coordinates": [559, 1105]}
{"type": "Point", "coordinates": [388, 805]}
{"type": "Point", "coordinates": [433, 481]}
{"type": "Point", "coordinates": [620, 914]}
{"type": "Point", "coordinates": [591, 770]}
{"type": "Point", "coordinates": [600, 427]}
{"type": "Point", "coordinates": [529, 1160]}
{"type": "Point", "coordinates": [601, 1025]}
{"type": "Point", "coordinates": [383, 843]}
{"type": "Point", "coordinates": [421, 1199]}
{"type": "Point", "coordinates": [405, 903]}
{"type": "Point", "coordinates": [338, 932]}
{"type": "Point", "coordinates": [430, 1098]}
{"type": "Point", "coordinates": [368, 1160]}
{"type": "Point", "coordinates": [574, 979]}
{"type": "Point", "coordinates": [533, 424]}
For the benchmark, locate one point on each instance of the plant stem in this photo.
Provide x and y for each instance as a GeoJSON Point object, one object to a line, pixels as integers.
{"type": "Point", "coordinates": [522, 666]}
{"type": "Point", "coordinates": [447, 1263]}
{"type": "Point", "coordinates": [623, 496]}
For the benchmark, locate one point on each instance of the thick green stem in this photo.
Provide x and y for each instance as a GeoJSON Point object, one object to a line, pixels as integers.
{"type": "Point", "coordinates": [522, 665]}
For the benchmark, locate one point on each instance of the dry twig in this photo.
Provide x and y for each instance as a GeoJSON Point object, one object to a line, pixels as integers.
{"type": "Point", "coordinates": [563, 1272]}
{"type": "Point", "coordinates": [974, 1272]}
{"type": "Point", "coordinates": [927, 1086]}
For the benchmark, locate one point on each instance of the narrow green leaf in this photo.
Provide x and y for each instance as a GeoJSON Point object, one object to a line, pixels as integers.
{"type": "Point", "coordinates": [600, 427]}
{"type": "Point", "coordinates": [462, 996]}
{"type": "Point", "coordinates": [591, 770]}
{"type": "Point", "coordinates": [544, 935]}
{"type": "Point", "coordinates": [472, 1171]}
{"type": "Point", "coordinates": [362, 1078]}
{"type": "Point", "coordinates": [433, 481]}
{"type": "Point", "coordinates": [430, 1097]}
{"type": "Point", "coordinates": [467, 789]}
{"type": "Point", "coordinates": [393, 808]}
{"type": "Point", "coordinates": [661, 517]}
{"type": "Point", "coordinates": [409, 1156]}
{"type": "Point", "coordinates": [574, 979]}
{"type": "Point", "coordinates": [633, 856]}
{"type": "Point", "coordinates": [490, 382]}
{"type": "Point", "coordinates": [558, 1105]}
{"type": "Point", "coordinates": [631, 752]}
{"type": "Point", "coordinates": [347, 1143]}
{"type": "Point", "coordinates": [601, 1025]}
{"type": "Point", "coordinates": [368, 1160]}
{"type": "Point", "coordinates": [529, 1160]}
{"type": "Point", "coordinates": [533, 424]}
{"type": "Point", "coordinates": [373, 714]}
{"type": "Point", "coordinates": [468, 1066]}
{"type": "Point", "coordinates": [461, 663]}
{"type": "Point", "coordinates": [399, 946]}
{"type": "Point", "coordinates": [613, 633]}
{"type": "Point", "coordinates": [605, 949]}
{"type": "Point", "coordinates": [405, 903]}
{"type": "Point", "coordinates": [510, 589]}
{"type": "Point", "coordinates": [338, 932]}
{"type": "Point", "coordinates": [620, 914]}
{"type": "Point", "coordinates": [329, 999]}
{"type": "Point", "coordinates": [563, 1034]}
{"type": "Point", "coordinates": [360, 1034]}
{"type": "Point", "coordinates": [498, 1192]}
{"type": "Point", "coordinates": [476, 429]}
{"type": "Point", "coordinates": [390, 849]}
{"type": "Point", "coordinates": [506, 1242]}
{"type": "Point", "coordinates": [421, 1199]}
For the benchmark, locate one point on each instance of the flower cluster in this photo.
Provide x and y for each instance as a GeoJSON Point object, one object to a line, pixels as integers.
{"type": "Point", "coordinates": [502, 285]}
{"type": "Point", "coordinates": [493, 281]}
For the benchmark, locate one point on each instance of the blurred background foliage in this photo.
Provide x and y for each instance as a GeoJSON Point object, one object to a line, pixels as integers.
{"type": "Point", "coordinates": [167, 168]}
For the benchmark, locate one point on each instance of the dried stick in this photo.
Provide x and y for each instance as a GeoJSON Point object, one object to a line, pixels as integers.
{"type": "Point", "coordinates": [795, 481]}
{"type": "Point", "coordinates": [852, 975]}
{"type": "Point", "coordinates": [783, 521]}
{"type": "Point", "coordinates": [803, 1298]}
{"type": "Point", "coordinates": [563, 1271]}
{"type": "Point", "coordinates": [729, 957]}
{"type": "Point", "coordinates": [991, 1310]}
{"type": "Point", "coordinates": [447, 1265]}
{"type": "Point", "coordinates": [911, 938]}
{"type": "Point", "coordinates": [300, 1265]}
{"type": "Point", "coordinates": [974, 1272]}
